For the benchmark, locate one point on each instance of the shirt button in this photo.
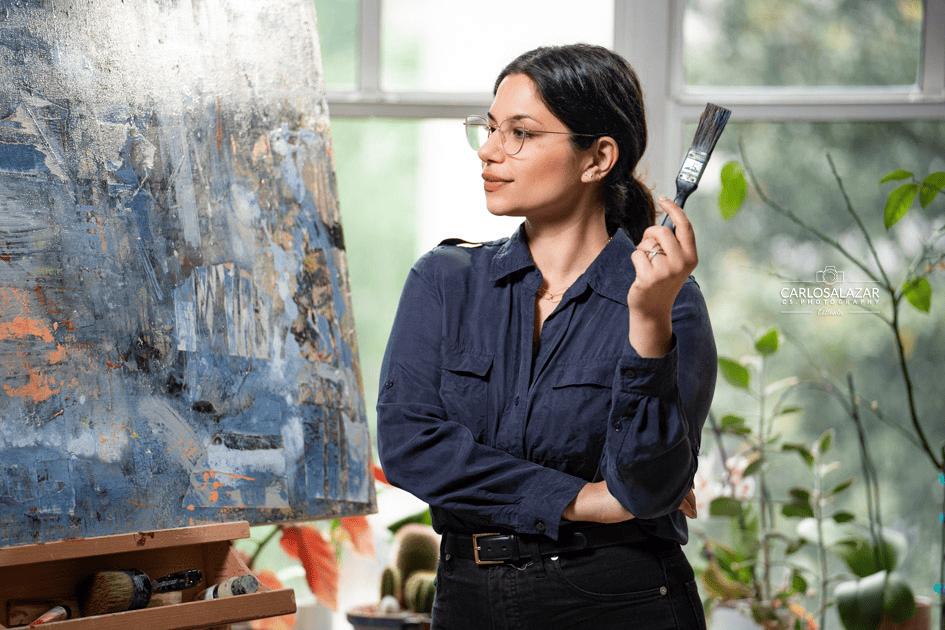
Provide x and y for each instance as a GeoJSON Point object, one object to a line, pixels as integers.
{"type": "Point", "coordinates": [388, 384]}
{"type": "Point", "coordinates": [540, 525]}
{"type": "Point", "coordinates": [662, 590]}
{"type": "Point", "coordinates": [516, 401]}
{"type": "Point", "coordinates": [629, 373]}
{"type": "Point", "coordinates": [618, 426]}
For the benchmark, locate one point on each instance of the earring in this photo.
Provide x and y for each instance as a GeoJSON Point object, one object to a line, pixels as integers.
{"type": "Point", "coordinates": [588, 177]}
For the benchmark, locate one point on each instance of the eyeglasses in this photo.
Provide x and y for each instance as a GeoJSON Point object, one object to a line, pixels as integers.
{"type": "Point", "coordinates": [512, 133]}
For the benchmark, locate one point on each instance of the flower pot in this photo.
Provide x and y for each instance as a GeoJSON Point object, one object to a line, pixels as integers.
{"type": "Point", "coordinates": [921, 620]}
{"type": "Point", "coordinates": [737, 616]}
{"type": "Point", "coordinates": [367, 618]}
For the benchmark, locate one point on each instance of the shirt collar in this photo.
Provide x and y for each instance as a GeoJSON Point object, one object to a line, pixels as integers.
{"type": "Point", "coordinates": [610, 275]}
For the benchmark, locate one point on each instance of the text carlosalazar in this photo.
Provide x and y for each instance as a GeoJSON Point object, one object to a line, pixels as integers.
{"type": "Point", "coordinates": [833, 295]}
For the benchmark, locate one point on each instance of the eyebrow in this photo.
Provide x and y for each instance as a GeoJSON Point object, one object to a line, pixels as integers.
{"type": "Point", "coordinates": [515, 117]}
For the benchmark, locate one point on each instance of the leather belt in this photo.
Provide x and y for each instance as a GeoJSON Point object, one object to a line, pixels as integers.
{"type": "Point", "coordinates": [498, 548]}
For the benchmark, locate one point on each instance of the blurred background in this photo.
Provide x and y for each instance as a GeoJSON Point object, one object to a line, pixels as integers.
{"type": "Point", "coordinates": [860, 80]}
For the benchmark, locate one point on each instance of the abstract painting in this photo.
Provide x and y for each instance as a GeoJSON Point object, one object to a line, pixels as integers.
{"type": "Point", "coordinates": [176, 338]}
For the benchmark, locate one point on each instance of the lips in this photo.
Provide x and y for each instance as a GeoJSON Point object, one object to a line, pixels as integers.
{"type": "Point", "coordinates": [492, 183]}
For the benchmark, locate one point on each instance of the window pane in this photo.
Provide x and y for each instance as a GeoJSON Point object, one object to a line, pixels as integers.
{"type": "Point", "coordinates": [376, 165]}
{"type": "Point", "coordinates": [747, 261]}
{"type": "Point", "coordinates": [461, 47]}
{"type": "Point", "coordinates": [802, 42]}
{"type": "Point", "coordinates": [338, 36]}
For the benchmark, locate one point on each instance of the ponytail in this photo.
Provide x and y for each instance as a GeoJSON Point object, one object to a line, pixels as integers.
{"type": "Point", "coordinates": [594, 91]}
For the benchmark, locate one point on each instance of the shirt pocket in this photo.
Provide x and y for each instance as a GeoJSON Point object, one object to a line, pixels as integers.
{"type": "Point", "coordinates": [464, 389]}
{"type": "Point", "coordinates": [568, 425]}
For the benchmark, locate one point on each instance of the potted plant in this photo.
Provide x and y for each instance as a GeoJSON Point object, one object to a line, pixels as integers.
{"type": "Point", "coordinates": [750, 578]}
{"type": "Point", "coordinates": [871, 554]}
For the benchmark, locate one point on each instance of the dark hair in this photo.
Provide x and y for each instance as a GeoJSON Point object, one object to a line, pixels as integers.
{"type": "Point", "coordinates": [593, 90]}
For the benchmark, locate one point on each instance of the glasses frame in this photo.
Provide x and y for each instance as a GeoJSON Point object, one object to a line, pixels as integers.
{"type": "Point", "coordinates": [481, 121]}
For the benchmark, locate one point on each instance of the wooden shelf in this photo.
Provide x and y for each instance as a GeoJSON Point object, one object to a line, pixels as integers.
{"type": "Point", "coordinates": [51, 572]}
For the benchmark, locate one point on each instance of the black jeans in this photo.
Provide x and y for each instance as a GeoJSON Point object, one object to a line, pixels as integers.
{"type": "Point", "coordinates": [626, 586]}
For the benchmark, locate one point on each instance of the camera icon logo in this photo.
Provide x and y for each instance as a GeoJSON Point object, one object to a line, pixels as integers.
{"type": "Point", "coordinates": [830, 275]}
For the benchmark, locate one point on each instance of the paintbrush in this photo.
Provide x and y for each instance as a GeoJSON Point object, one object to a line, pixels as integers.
{"type": "Point", "coordinates": [711, 123]}
{"type": "Point", "coordinates": [116, 591]}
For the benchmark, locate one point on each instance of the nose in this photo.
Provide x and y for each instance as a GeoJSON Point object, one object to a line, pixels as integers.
{"type": "Point", "coordinates": [491, 150]}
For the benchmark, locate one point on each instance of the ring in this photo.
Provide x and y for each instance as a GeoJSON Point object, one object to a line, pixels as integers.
{"type": "Point", "coordinates": [651, 254]}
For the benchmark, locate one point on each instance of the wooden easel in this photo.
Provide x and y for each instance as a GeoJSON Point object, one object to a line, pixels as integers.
{"type": "Point", "coordinates": [52, 571]}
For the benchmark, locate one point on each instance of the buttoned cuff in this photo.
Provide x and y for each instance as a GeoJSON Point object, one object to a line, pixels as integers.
{"type": "Point", "coordinates": [650, 377]}
{"type": "Point", "coordinates": [545, 503]}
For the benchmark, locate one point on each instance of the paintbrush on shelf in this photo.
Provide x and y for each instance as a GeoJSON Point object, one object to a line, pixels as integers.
{"type": "Point", "coordinates": [117, 591]}
{"type": "Point", "coordinates": [711, 123]}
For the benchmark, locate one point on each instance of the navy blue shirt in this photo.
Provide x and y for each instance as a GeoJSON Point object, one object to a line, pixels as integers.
{"type": "Point", "coordinates": [496, 439]}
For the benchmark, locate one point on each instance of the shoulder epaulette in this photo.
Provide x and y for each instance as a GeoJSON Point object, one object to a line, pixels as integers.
{"type": "Point", "coordinates": [459, 242]}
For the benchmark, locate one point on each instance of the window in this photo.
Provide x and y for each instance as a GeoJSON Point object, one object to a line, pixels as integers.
{"type": "Point", "coordinates": [863, 79]}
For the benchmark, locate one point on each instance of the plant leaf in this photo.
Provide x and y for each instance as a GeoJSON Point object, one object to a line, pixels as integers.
{"type": "Point", "coordinates": [840, 487]}
{"type": "Point", "coordinates": [318, 558]}
{"type": "Point", "coordinates": [799, 505]}
{"type": "Point", "coordinates": [285, 622]}
{"type": "Point", "coordinates": [725, 506]}
{"type": "Point", "coordinates": [735, 373]}
{"type": "Point", "coordinates": [768, 343]}
{"type": "Point", "coordinates": [825, 442]}
{"type": "Point", "coordinates": [735, 425]}
{"type": "Point", "coordinates": [801, 450]}
{"type": "Point", "coordinates": [362, 538]}
{"type": "Point", "coordinates": [860, 602]}
{"type": "Point", "coordinates": [753, 466]}
{"type": "Point", "coordinates": [423, 517]}
{"type": "Point", "coordinates": [734, 189]}
{"type": "Point", "coordinates": [899, 202]}
{"type": "Point", "coordinates": [861, 556]}
{"type": "Point", "coordinates": [379, 475]}
{"type": "Point", "coordinates": [720, 586]}
{"type": "Point", "coordinates": [896, 175]}
{"type": "Point", "coordinates": [931, 187]}
{"type": "Point", "coordinates": [919, 293]}
{"type": "Point", "coordinates": [898, 600]}
{"type": "Point", "coordinates": [842, 516]}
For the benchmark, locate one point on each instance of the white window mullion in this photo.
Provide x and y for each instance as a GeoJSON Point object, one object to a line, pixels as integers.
{"type": "Point", "coordinates": [369, 46]}
{"type": "Point", "coordinates": [641, 29]}
{"type": "Point", "coordinates": [932, 73]}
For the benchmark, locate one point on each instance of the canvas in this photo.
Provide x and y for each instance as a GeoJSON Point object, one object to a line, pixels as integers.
{"type": "Point", "coordinates": [176, 338]}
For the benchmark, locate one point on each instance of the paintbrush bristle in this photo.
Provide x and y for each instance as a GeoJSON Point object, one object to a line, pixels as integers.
{"type": "Point", "coordinates": [114, 591]}
{"type": "Point", "coordinates": [711, 123]}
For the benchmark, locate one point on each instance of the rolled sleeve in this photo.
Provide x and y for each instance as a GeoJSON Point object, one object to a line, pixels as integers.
{"type": "Point", "coordinates": [652, 445]}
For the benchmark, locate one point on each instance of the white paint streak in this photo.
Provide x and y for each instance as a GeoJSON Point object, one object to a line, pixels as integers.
{"type": "Point", "coordinates": [169, 427]}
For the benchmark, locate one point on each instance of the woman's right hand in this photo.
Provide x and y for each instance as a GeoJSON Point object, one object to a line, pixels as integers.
{"type": "Point", "coordinates": [594, 503]}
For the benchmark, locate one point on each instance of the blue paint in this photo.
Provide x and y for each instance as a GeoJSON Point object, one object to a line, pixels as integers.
{"type": "Point", "coordinates": [22, 158]}
{"type": "Point", "coordinates": [166, 260]}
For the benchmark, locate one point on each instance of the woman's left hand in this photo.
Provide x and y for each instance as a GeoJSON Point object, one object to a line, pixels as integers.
{"type": "Point", "coordinates": [663, 261]}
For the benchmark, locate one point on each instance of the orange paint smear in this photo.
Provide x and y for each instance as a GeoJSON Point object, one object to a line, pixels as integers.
{"type": "Point", "coordinates": [23, 327]}
{"type": "Point", "coordinates": [38, 389]}
{"type": "Point", "coordinates": [234, 476]}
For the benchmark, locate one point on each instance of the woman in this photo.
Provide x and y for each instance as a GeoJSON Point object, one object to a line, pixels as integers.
{"type": "Point", "coordinates": [545, 393]}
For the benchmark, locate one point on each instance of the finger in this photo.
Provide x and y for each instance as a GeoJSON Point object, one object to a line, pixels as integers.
{"type": "Point", "coordinates": [684, 232]}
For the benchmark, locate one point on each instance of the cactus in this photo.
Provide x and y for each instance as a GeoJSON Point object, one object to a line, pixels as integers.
{"type": "Point", "coordinates": [418, 591]}
{"type": "Point", "coordinates": [390, 582]}
{"type": "Point", "coordinates": [416, 548]}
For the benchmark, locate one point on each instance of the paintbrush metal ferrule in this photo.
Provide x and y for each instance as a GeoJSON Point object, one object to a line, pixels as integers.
{"type": "Point", "coordinates": [711, 123]}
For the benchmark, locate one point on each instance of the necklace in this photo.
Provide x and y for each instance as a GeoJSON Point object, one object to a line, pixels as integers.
{"type": "Point", "coordinates": [545, 294]}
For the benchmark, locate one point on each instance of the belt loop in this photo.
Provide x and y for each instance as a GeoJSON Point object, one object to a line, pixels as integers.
{"type": "Point", "coordinates": [535, 548]}
{"type": "Point", "coordinates": [447, 543]}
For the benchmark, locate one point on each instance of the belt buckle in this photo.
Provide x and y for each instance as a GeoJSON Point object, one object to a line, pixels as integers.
{"type": "Point", "coordinates": [475, 541]}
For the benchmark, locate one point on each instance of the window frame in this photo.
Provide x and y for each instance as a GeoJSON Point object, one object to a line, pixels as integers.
{"type": "Point", "coordinates": [649, 34]}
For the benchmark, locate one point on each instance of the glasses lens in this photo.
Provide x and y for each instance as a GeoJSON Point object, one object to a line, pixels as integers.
{"type": "Point", "coordinates": [513, 137]}
{"type": "Point", "coordinates": [477, 132]}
